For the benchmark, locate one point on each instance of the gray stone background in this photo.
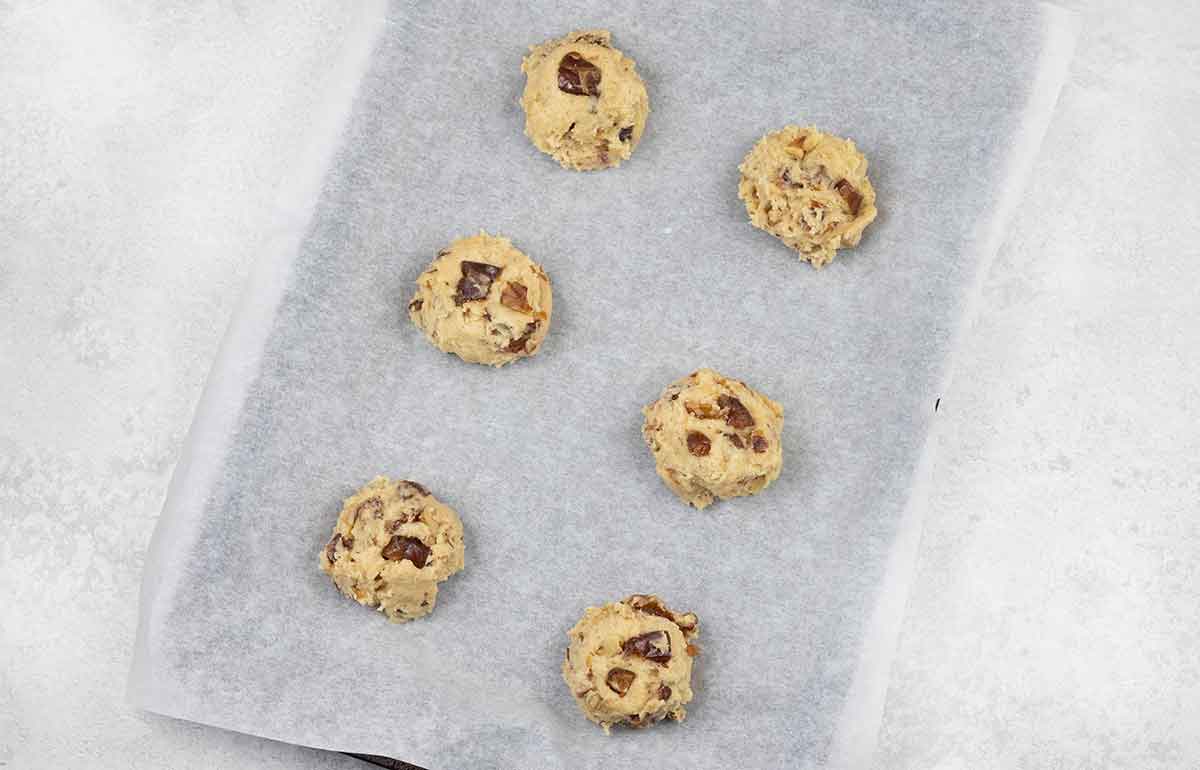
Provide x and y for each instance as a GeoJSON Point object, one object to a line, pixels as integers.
{"type": "Point", "coordinates": [1054, 618]}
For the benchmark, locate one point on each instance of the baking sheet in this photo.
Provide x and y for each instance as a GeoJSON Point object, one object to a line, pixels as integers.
{"type": "Point", "coordinates": [322, 383]}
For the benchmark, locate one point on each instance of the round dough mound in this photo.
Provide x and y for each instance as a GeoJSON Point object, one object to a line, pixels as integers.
{"type": "Point", "coordinates": [713, 437]}
{"type": "Point", "coordinates": [393, 543]}
{"type": "Point", "coordinates": [630, 662]}
{"type": "Point", "coordinates": [585, 104]}
{"type": "Point", "coordinates": [484, 301]}
{"type": "Point", "coordinates": [808, 189]}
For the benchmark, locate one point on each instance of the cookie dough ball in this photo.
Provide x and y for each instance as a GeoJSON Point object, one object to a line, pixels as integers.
{"type": "Point", "coordinates": [808, 189]}
{"type": "Point", "coordinates": [713, 437]}
{"type": "Point", "coordinates": [584, 102]}
{"type": "Point", "coordinates": [484, 301]}
{"type": "Point", "coordinates": [630, 662]}
{"type": "Point", "coordinates": [393, 543]}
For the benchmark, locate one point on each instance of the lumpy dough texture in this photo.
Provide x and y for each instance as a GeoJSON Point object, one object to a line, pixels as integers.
{"type": "Point", "coordinates": [630, 662]}
{"type": "Point", "coordinates": [393, 543]}
{"type": "Point", "coordinates": [484, 301]}
{"type": "Point", "coordinates": [585, 104]}
{"type": "Point", "coordinates": [713, 437]}
{"type": "Point", "coordinates": [808, 189]}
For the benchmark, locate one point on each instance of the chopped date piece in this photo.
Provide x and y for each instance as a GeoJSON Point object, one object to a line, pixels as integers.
{"type": "Point", "coordinates": [401, 547]}
{"type": "Point", "coordinates": [476, 281]}
{"type": "Point", "coordinates": [736, 413]}
{"type": "Point", "coordinates": [371, 507]}
{"type": "Point", "coordinates": [692, 650]}
{"type": "Point", "coordinates": [619, 680]}
{"type": "Point", "coordinates": [405, 518]}
{"type": "Point", "coordinates": [515, 296]}
{"type": "Point", "coordinates": [664, 692]}
{"type": "Point", "coordinates": [698, 444]}
{"type": "Point", "coordinates": [736, 440]}
{"type": "Point", "coordinates": [408, 489]}
{"type": "Point", "coordinates": [626, 134]}
{"type": "Point", "coordinates": [650, 606]}
{"type": "Point", "coordinates": [578, 76]}
{"type": "Point", "coordinates": [416, 304]}
{"type": "Point", "coordinates": [654, 646]}
{"type": "Point", "coordinates": [759, 443]}
{"type": "Point", "coordinates": [852, 197]}
{"type": "Point", "coordinates": [518, 345]}
{"type": "Point", "coordinates": [331, 549]}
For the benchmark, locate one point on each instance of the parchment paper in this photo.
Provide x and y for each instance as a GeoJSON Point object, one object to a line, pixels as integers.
{"type": "Point", "coordinates": [323, 383]}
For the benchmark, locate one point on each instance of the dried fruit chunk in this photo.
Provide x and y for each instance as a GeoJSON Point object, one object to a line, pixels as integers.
{"type": "Point", "coordinates": [578, 76]}
{"type": "Point", "coordinates": [852, 197]}
{"type": "Point", "coordinates": [698, 444]}
{"type": "Point", "coordinates": [407, 489]}
{"type": "Point", "coordinates": [476, 281]}
{"type": "Point", "coordinates": [625, 134]}
{"type": "Point", "coordinates": [371, 507]}
{"type": "Point", "coordinates": [664, 692]}
{"type": "Point", "coordinates": [401, 547]}
{"type": "Point", "coordinates": [653, 646]}
{"type": "Point", "coordinates": [736, 440]}
{"type": "Point", "coordinates": [518, 345]}
{"type": "Point", "coordinates": [515, 297]}
{"type": "Point", "coordinates": [619, 680]}
{"type": "Point", "coordinates": [331, 549]}
{"type": "Point", "coordinates": [759, 443]}
{"type": "Point", "coordinates": [736, 413]}
{"type": "Point", "coordinates": [649, 605]}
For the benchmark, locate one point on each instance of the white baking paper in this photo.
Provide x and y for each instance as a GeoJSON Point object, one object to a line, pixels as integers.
{"type": "Point", "coordinates": [322, 383]}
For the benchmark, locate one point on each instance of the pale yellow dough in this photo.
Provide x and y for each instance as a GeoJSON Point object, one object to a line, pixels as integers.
{"type": "Point", "coordinates": [808, 189]}
{"type": "Point", "coordinates": [484, 301]}
{"type": "Point", "coordinates": [630, 662]}
{"type": "Point", "coordinates": [585, 104]}
{"type": "Point", "coordinates": [713, 437]}
{"type": "Point", "coordinates": [393, 543]}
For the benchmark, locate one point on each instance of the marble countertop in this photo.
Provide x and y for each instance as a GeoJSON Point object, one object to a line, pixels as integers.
{"type": "Point", "coordinates": [1055, 613]}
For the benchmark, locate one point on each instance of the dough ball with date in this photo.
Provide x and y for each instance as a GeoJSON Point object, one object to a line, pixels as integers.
{"type": "Point", "coordinates": [393, 543]}
{"type": "Point", "coordinates": [808, 189]}
{"type": "Point", "coordinates": [585, 104]}
{"type": "Point", "coordinates": [630, 662]}
{"type": "Point", "coordinates": [713, 437]}
{"type": "Point", "coordinates": [484, 301]}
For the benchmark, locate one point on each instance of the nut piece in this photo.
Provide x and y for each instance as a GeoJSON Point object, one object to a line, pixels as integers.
{"type": "Point", "coordinates": [619, 680]}
{"type": "Point", "coordinates": [476, 281]}
{"type": "Point", "coordinates": [401, 547]}
{"type": "Point", "coordinates": [654, 646]}
{"type": "Point", "coordinates": [578, 76]}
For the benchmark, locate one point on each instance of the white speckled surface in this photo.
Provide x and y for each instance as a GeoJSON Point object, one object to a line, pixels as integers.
{"type": "Point", "coordinates": [1055, 616]}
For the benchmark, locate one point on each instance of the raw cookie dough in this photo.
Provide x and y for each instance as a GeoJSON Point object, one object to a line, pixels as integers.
{"type": "Point", "coordinates": [584, 102]}
{"type": "Point", "coordinates": [808, 189]}
{"type": "Point", "coordinates": [393, 543]}
{"type": "Point", "coordinates": [484, 301]}
{"type": "Point", "coordinates": [630, 662]}
{"type": "Point", "coordinates": [714, 437]}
